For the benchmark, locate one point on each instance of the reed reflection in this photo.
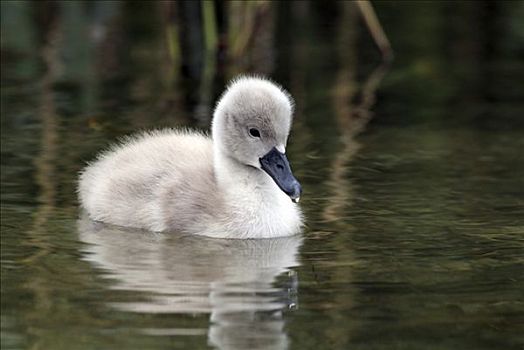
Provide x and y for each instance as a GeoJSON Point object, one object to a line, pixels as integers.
{"type": "Point", "coordinates": [244, 285]}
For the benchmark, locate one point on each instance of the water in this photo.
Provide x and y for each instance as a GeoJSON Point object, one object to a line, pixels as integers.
{"type": "Point", "coordinates": [415, 230]}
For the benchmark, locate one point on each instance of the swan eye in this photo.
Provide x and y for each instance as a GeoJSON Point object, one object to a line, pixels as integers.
{"type": "Point", "coordinates": [254, 132]}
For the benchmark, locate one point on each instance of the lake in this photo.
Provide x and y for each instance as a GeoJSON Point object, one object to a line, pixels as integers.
{"type": "Point", "coordinates": [413, 178]}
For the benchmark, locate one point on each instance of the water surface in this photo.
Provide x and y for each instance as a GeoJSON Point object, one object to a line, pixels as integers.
{"type": "Point", "coordinates": [414, 193]}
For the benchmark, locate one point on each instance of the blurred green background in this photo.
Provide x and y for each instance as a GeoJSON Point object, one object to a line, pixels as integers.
{"type": "Point", "coordinates": [412, 173]}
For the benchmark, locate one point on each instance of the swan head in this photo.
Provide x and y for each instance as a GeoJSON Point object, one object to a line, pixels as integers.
{"type": "Point", "coordinates": [251, 125]}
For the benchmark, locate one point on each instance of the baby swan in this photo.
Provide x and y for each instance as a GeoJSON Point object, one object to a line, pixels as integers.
{"type": "Point", "coordinates": [237, 184]}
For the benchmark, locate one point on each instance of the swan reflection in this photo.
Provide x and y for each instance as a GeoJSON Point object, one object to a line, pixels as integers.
{"type": "Point", "coordinates": [235, 281]}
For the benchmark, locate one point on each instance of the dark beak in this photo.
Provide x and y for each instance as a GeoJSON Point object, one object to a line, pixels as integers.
{"type": "Point", "coordinates": [277, 166]}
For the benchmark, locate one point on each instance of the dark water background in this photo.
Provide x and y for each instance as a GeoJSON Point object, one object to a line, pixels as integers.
{"type": "Point", "coordinates": [414, 193]}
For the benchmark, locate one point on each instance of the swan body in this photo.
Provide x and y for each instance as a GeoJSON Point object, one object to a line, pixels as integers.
{"type": "Point", "coordinates": [235, 184]}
